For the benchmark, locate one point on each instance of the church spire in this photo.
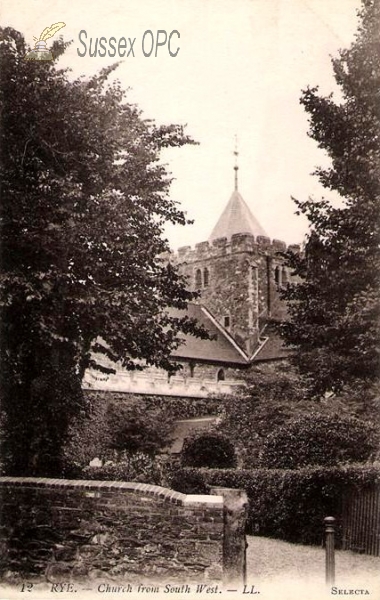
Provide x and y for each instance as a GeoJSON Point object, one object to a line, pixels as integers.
{"type": "Point", "coordinates": [236, 217]}
{"type": "Point", "coordinates": [236, 168]}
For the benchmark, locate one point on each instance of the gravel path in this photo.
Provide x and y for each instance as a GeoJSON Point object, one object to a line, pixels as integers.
{"type": "Point", "coordinates": [280, 570]}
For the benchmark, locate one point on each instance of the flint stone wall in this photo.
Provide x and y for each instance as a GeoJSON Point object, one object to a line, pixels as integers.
{"type": "Point", "coordinates": [71, 530]}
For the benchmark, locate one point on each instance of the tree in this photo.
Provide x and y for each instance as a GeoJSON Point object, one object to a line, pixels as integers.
{"type": "Point", "coordinates": [84, 203]}
{"type": "Point", "coordinates": [334, 309]}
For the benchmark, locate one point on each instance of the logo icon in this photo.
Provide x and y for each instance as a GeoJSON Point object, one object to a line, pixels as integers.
{"type": "Point", "coordinates": [40, 51]}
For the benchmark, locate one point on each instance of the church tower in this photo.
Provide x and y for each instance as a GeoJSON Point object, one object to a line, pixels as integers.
{"type": "Point", "coordinates": [238, 272]}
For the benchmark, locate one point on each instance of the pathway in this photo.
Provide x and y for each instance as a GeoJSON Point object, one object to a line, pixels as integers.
{"type": "Point", "coordinates": [281, 570]}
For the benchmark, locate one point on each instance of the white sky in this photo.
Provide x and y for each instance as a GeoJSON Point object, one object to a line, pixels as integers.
{"type": "Point", "coordinates": [240, 70]}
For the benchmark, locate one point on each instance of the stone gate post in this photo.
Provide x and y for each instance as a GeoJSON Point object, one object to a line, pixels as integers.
{"type": "Point", "coordinates": [234, 543]}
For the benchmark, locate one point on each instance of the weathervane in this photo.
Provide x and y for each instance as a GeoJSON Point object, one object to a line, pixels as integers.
{"type": "Point", "coordinates": [236, 168]}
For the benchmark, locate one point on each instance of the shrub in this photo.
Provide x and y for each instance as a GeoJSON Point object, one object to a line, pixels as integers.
{"type": "Point", "coordinates": [285, 504]}
{"type": "Point", "coordinates": [186, 408]}
{"type": "Point", "coordinates": [88, 438]}
{"type": "Point", "coordinates": [208, 450]}
{"type": "Point", "coordinates": [134, 428]}
{"type": "Point", "coordinates": [138, 467]}
{"type": "Point", "coordinates": [270, 399]}
{"type": "Point", "coordinates": [124, 424]}
{"type": "Point", "coordinates": [174, 407]}
{"type": "Point", "coordinates": [189, 481]}
{"type": "Point", "coordinates": [318, 439]}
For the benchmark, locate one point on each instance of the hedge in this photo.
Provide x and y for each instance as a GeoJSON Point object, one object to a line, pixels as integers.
{"type": "Point", "coordinates": [175, 407]}
{"type": "Point", "coordinates": [285, 504]}
{"type": "Point", "coordinates": [319, 439]}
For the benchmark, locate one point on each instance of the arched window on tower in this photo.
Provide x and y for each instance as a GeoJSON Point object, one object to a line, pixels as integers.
{"type": "Point", "coordinates": [205, 278]}
{"type": "Point", "coordinates": [198, 279]}
{"type": "Point", "coordinates": [277, 275]}
{"type": "Point", "coordinates": [220, 375]}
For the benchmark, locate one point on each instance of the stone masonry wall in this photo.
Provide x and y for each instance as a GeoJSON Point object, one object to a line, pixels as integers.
{"type": "Point", "coordinates": [241, 280]}
{"type": "Point", "coordinates": [70, 530]}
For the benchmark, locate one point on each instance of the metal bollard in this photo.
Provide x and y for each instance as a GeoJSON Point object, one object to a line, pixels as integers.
{"type": "Point", "coordinates": [245, 561]}
{"type": "Point", "coordinates": [330, 550]}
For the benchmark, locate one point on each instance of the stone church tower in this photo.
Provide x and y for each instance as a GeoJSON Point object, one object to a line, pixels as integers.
{"type": "Point", "coordinates": [238, 271]}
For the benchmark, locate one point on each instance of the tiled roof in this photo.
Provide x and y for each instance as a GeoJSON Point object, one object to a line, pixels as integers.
{"type": "Point", "coordinates": [221, 349]}
{"type": "Point", "coordinates": [236, 218]}
{"type": "Point", "coordinates": [272, 348]}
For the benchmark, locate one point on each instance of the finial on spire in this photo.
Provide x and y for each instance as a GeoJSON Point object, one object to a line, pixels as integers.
{"type": "Point", "coordinates": [236, 168]}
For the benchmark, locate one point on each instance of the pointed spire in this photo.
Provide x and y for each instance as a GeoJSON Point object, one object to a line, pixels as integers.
{"type": "Point", "coordinates": [236, 218]}
{"type": "Point", "coordinates": [236, 168]}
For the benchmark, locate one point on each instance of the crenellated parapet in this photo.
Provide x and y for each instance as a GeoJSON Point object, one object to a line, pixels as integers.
{"type": "Point", "coordinates": [239, 242]}
{"type": "Point", "coordinates": [242, 242]}
{"type": "Point", "coordinates": [279, 245]}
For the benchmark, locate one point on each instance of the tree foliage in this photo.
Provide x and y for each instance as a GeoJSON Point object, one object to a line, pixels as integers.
{"type": "Point", "coordinates": [133, 428]}
{"type": "Point", "coordinates": [269, 399]}
{"type": "Point", "coordinates": [128, 426]}
{"type": "Point", "coordinates": [84, 203]}
{"type": "Point", "coordinates": [334, 310]}
{"type": "Point", "coordinates": [319, 439]}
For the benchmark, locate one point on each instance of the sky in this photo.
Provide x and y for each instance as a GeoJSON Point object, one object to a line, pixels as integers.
{"type": "Point", "coordinates": [239, 71]}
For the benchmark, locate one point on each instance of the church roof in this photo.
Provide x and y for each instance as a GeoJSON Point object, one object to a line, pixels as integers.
{"type": "Point", "coordinates": [273, 347]}
{"type": "Point", "coordinates": [236, 218]}
{"type": "Point", "coordinates": [221, 348]}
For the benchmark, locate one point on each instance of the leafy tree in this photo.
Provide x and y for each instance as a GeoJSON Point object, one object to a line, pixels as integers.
{"type": "Point", "coordinates": [334, 309]}
{"type": "Point", "coordinates": [84, 203]}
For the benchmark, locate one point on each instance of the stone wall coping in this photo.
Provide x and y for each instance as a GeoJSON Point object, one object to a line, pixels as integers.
{"type": "Point", "coordinates": [214, 501]}
{"type": "Point", "coordinates": [144, 489]}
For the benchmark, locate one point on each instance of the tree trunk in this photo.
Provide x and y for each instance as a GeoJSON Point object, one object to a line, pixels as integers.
{"type": "Point", "coordinates": [41, 396]}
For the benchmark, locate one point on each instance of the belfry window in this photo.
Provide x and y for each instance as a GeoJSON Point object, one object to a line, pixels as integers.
{"type": "Point", "coordinates": [198, 279]}
{"type": "Point", "coordinates": [205, 278]}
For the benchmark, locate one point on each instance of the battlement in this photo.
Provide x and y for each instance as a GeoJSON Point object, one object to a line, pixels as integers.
{"type": "Point", "coordinates": [279, 245]}
{"type": "Point", "coordinates": [240, 242]}
{"type": "Point", "coordinates": [296, 248]}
